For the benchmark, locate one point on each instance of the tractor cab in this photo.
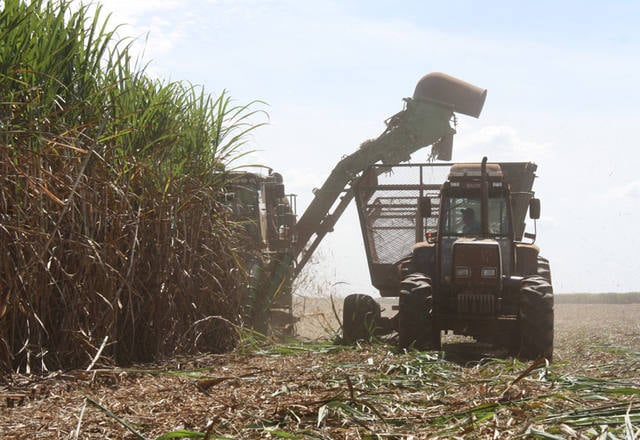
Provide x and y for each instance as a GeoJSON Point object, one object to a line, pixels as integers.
{"type": "Point", "coordinates": [469, 270]}
{"type": "Point", "coordinates": [475, 233]}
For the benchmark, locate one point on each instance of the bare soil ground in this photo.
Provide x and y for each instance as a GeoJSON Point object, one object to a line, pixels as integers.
{"type": "Point", "coordinates": [320, 390]}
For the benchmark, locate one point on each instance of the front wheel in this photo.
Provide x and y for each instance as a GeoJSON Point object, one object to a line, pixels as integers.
{"type": "Point", "coordinates": [536, 318]}
{"type": "Point", "coordinates": [360, 317]}
{"type": "Point", "coordinates": [415, 316]}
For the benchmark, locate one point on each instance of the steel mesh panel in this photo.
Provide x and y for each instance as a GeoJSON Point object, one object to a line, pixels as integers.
{"type": "Point", "coordinates": [391, 223]}
{"type": "Point", "coordinates": [389, 213]}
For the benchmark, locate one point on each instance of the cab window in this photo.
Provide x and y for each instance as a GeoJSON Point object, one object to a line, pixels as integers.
{"type": "Point", "coordinates": [463, 216]}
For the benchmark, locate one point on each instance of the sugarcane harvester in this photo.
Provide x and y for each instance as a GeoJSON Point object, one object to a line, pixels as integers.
{"type": "Point", "coordinates": [428, 118]}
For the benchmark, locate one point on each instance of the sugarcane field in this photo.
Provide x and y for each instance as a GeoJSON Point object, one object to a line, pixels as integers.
{"type": "Point", "coordinates": [315, 389]}
{"type": "Point", "coordinates": [283, 220]}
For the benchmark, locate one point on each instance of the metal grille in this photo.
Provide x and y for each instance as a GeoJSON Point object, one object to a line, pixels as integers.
{"type": "Point", "coordinates": [389, 209]}
{"type": "Point", "coordinates": [476, 304]}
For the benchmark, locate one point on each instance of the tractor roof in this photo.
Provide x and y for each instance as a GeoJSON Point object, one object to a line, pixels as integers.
{"type": "Point", "coordinates": [474, 171]}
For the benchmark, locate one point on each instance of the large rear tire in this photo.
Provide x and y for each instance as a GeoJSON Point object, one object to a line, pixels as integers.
{"type": "Point", "coordinates": [415, 316]}
{"type": "Point", "coordinates": [360, 317]}
{"type": "Point", "coordinates": [536, 318]}
{"type": "Point", "coordinates": [544, 269]}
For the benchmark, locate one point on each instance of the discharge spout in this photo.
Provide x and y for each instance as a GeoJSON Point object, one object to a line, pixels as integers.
{"type": "Point", "coordinates": [463, 97]}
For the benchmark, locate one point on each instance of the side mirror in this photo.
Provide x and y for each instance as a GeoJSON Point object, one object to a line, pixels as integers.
{"type": "Point", "coordinates": [534, 208]}
{"type": "Point", "coordinates": [424, 207]}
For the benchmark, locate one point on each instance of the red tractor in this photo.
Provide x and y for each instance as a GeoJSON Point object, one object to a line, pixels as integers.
{"type": "Point", "coordinates": [447, 240]}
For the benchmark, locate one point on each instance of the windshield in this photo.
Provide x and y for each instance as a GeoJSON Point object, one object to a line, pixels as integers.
{"type": "Point", "coordinates": [463, 218]}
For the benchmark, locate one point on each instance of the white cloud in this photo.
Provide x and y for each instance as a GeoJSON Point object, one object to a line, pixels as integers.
{"type": "Point", "coordinates": [133, 10]}
{"type": "Point", "coordinates": [549, 221]}
{"type": "Point", "coordinates": [498, 143]}
{"type": "Point", "coordinates": [629, 191]}
{"type": "Point", "coordinates": [156, 26]}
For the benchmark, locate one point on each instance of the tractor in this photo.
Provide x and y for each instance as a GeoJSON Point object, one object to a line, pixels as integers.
{"type": "Point", "coordinates": [449, 241]}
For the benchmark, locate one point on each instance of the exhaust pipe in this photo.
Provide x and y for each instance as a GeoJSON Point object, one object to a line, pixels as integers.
{"type": "Point", "coordinates": [463, 97]}
{"type": "Point", "coordinates": [484, 201]}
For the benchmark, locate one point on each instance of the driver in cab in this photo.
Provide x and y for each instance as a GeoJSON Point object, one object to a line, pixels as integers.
{"type": "Point", "coordinates": [470, 226]}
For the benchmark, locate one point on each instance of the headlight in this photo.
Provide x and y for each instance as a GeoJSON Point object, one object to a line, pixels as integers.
{"type": "Point", "coordinates": [488, 272]}
{"type": "Point", "coordinates": [462, 272]}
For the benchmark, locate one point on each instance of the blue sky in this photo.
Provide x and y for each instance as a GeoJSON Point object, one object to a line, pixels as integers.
{"type": "Point", "coordinates": [563, 91]}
